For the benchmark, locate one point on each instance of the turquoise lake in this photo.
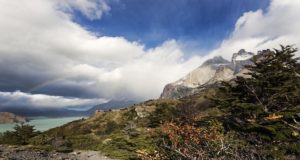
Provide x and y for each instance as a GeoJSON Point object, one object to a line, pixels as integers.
{"type": "Point", "coordinates": [42, 123]}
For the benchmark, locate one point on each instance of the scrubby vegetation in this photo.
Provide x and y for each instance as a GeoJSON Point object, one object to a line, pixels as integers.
{"type": "Point", "coordinates": [121, 134]}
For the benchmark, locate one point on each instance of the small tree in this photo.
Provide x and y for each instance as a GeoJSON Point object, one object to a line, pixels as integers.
{"type": "Point", "coordinates": [25, 132]}
{"type": "Point", "coordinates": [21, 134]}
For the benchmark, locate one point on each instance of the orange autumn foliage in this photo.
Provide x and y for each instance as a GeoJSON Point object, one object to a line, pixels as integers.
{"type": "Point", "coordinates": [273, 117]}
{"type": "Point", "coordinates": [190, 134]}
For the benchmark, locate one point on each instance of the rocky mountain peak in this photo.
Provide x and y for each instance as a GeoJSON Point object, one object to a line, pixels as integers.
{"type": "Point", "coordinates": [242, 55]}
{"type": "Point", "coordinates": [217, 60]}
{"type": "Point", "coordinates": [240, 59]}
{"type": "Point", "coordinates": [242, 51]}
{"type": "Point", "coordinates": [210, 72]}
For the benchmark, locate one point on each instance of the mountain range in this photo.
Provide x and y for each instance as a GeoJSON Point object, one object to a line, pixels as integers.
{"type": "Point", "coordinates": [65, 112]}
{"type": "Point", "coordinates": [209, 73]}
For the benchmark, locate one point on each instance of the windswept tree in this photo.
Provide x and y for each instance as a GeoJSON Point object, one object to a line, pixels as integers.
{"type": "Point", "coordinates": [270, 90]}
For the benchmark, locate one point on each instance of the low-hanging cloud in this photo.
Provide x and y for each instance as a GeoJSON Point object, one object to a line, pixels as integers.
{"type": "Point", "coordinates": [21, 99]}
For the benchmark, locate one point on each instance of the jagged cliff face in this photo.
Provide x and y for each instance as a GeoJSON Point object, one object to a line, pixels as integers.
{"type": "Point", "coordinates": [202, 74]}
{"type": "Point", "coordinates": [210, 72]}
{"type": "Point", "coordinates": [189, 83]}
{"type": "Point", "coordinates": [223, 73]}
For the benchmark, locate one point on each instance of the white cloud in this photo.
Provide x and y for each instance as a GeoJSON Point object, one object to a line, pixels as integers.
{"type": "Point", "coordinates": [21, 99]}
{"type": "Point", "coordinates": [43, 50]}
{"type": "Point", "coordinates": [92, 9]}
{"type": "Point", "coordinates": [140, 78]}
{"type": "Point", "coordinates": [260, 30]}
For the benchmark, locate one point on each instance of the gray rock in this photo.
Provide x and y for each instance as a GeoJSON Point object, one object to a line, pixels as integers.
{"type": "Point", "coordinates": [209, 73]}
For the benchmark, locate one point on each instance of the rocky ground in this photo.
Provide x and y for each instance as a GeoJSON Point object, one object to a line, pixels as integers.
{"type": "Point", "coordinates": [23, 153]}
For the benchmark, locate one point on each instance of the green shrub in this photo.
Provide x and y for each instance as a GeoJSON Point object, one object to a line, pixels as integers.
{"type": "Point", "coordinates": [162, 113]}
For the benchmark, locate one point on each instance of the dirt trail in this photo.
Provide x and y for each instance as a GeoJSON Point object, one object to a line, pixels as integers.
{"type": "Point", "coordinates": [23, 153]}
{"type": "Point", "coordinates": [90, 155]}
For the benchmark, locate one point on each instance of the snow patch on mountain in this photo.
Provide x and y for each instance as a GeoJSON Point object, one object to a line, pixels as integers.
{"type": "Point", "coordinates": [243, 57]}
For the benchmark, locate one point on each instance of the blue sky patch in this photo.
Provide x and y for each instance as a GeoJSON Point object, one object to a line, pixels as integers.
{"type": "Point", "coordinates": [198, 23]}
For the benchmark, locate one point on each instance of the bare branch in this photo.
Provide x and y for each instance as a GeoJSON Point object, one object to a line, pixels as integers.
{"type": "Point", "coordinates": [256, 97]}
{"type": "Point", "coordinates": [292, 126]}
{"type": "Point", "coordinates": [295, 121]}
{"type": "Point", "coordinates": [297, 74]}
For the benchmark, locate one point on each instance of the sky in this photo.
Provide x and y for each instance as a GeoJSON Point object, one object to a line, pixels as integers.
{"type": "Point", "coordinates": [78, 53]}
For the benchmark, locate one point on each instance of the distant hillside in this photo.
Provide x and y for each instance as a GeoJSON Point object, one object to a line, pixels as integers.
{"type": "Point", "coordinates": [64, 112]}
{"type": "Point", "coordinates": [6, 117]}
{"type": "Point", "coordinates": [47, 112]}
{"type": "Point", "coordinates": [113, 104]}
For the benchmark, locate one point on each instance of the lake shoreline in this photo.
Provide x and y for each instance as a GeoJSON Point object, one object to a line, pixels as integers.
{"type": "Point", "coordinates": [42, 123]}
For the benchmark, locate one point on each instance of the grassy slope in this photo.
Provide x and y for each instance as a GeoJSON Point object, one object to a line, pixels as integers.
{"type": "Point", "coordinates": [121, 134]}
